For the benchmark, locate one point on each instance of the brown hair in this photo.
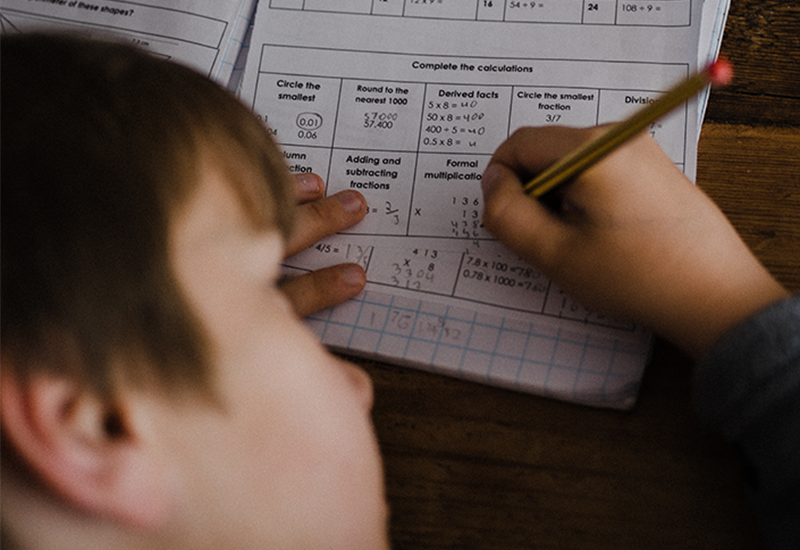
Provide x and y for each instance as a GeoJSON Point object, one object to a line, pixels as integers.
{"type": "Point", "coordinates": [100, 143]}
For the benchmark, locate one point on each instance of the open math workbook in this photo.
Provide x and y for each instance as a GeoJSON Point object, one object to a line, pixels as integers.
{"type": "Point", "coordinates": [405, 101]}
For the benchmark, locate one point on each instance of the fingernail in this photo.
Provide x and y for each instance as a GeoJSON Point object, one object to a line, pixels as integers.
{"type": "Point", "coordinates": [351, 201]}
{"type": "Point", "coordinates": [353, 275]}
{"type": "Point", "coordinates": [309, 183]}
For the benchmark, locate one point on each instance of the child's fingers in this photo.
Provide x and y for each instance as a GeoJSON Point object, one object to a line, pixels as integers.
{"type": "Point", "coordinates": [323, 217]}
{"type": "Point", "coordinates": [530, 150]}
{"type": "Point", "coordinates": [324, 288]}
{"type": "Point", "coordinates": [521, 222]}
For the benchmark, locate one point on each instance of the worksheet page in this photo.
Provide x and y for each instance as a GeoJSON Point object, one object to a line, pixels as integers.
{"type": "Point", "coordinates": [405, 101]}
{"type": "Point", "coordinates": [714, 16]}
{"type": "Point", "coordinates": [204, 34]}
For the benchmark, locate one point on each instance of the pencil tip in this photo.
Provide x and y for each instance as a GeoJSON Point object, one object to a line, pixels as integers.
{"type": "Point", "coordinates": [721, 72]}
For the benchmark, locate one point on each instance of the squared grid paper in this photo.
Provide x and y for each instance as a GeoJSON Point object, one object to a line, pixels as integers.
{"type": "Point", "coordinates": [563, 361]}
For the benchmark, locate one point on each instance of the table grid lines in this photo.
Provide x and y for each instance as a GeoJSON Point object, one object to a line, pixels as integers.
{"type": "Point", "coordinates": [645, 13]}
{"type": "Point", "coordinates": [570, 368]}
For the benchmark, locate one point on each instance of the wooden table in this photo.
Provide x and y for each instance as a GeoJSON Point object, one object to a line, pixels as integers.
{"type": "Point", "coordinates": [474, 467]}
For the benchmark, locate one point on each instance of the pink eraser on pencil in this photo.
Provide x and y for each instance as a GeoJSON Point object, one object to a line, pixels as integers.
{"type": "Point", "coordinates": [720, 72]}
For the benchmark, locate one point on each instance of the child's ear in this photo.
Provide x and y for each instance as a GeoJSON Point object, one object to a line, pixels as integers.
{"type": "Point", "coordinates": [86, 450]}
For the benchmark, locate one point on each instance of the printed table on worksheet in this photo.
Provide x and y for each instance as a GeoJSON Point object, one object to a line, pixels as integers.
{"type": "Point", "coordinates": [414, 134]}
{"type": "Point", "coordinates": [207, 37]}
{"type": "Point", "coordinates": [666, 13]}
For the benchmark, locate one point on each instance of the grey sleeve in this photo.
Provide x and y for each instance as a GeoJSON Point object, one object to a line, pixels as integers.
{"type": "Point", "coordinates": [747, 388]}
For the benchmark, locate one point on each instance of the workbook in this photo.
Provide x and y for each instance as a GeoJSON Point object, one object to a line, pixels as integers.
{"type": "Point", "coordinates": [405, 101]}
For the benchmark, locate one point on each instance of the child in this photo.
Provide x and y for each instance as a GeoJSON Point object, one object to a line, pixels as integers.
{"type": "Point", "coordinates": [634, 238]}
{"type": "Point", "coordinates": [157, 390]}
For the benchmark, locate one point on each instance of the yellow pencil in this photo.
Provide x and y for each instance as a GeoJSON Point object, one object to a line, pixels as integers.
{"type": "Point", "coordinates": [569, 166]}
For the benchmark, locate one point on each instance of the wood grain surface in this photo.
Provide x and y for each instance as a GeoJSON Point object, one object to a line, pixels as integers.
{"type": "Point", "coordinates": [474, 467]}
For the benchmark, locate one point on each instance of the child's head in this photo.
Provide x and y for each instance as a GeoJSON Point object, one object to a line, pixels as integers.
{"type": "Point", "coordinates": [101, 144]}
{"type": "Point", "coordinates": [155, 385]}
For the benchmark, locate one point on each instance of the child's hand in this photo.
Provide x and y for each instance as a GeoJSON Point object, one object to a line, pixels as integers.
{"type": "Point", "coordinates": [631, 237]}
{"type": "Point", "coordinates": [317, 218]}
